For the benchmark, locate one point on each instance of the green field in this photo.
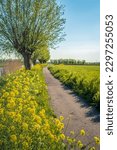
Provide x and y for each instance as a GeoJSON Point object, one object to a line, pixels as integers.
{"type": "Point", "coordinates": [82, 79]}
{"type": "Point", "coordinates": [82, 67]}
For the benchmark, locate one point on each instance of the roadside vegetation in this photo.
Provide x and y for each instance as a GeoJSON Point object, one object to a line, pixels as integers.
{"type": "Point", "coordinates": [26, 119]}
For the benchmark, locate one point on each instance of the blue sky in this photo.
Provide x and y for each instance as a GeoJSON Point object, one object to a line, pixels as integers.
{"type": "Point", "coordinates": [82, 31]}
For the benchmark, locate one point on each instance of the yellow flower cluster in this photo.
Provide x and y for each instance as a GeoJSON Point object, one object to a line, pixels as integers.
{"type": "Point", "coordinates": [26, 120]}
{"type": "Point", "coordinates": [97, 140]}
{"type": "Point", "coordinates": [80, 144]}
{"type": "Point", "coordinates": [92, 148]}
{"type": "Point", "coordinates": [73, 143]}
{"type": "Point", "coordinates": [82, 132]}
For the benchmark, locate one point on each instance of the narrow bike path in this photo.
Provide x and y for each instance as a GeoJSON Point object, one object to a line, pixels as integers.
{"type": "Point", "coordinates": [67, 104]}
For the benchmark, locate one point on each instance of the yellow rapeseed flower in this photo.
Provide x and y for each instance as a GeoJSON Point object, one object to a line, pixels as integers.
{"type": "Point", "coordinates": [82, 132]}
{"type": "Point", "coordinates": [36, 127]}
{"type": "Point", "coordinates": [11, 104]}
{"type": "Point", "coordinates": [21, 137]}
{"type": "Point", "coordinates": [12, 114]}
{"type": "Point", "coordinates": [97, 140]}
{"type": "Point", "coordinates": [80, 144]}
{"type": "Point", "coordinates": [1, 111]}
{"type": "Point", "coordinates": [12, 94]}
{"type": "Point", "coordinates": [62, 136]}
{"type": "Point", "coordinates": [69, 140]}
{"type": "Point", "coordinates": [46, 126]}
{"type": "Point", "coordinates": [25, 126]}
{"type": "Point", "coordinates": [18, 118]}
{"type": "Point", "coordinates": [6, 94]}
{"type": "Point", "coordinates": [13, 138]}
{"type": "Point", "coordinates": [37, 119]}
{"type": "Point", "coordinates": [72, 132]}
{"type": "Point", "coordinates": [42, 113]}
{"type": "Point", "coordinates": [31, 110]}
{"type": "Point", "coordinates": [57, 121]}
{"type": "Point", "coordinates": [51, 136]}
{"type": "Point", "coordinates": [60, 126]}
{"type": "Point", "coordinates": [92, 148]}
{"type": "Point", "coordinates": [61, 118]}
{"type": "Point", "coordinates": [12, 128]}
{"type": "Point", "coordinates": [25, 145]}
{"type": "Point", "coordinates": [1, 126]}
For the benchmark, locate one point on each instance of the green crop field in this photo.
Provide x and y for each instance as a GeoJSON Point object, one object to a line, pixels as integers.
{"type": "Point", "coordinates": [82, 79]}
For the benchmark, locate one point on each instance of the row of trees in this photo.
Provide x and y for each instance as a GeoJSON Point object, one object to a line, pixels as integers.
{"type": "Point", "coordinates": [72, 62]}
{"type": "Point", "coordinates": [68, 61]}
{"type": "Point", "coordinates": [28, 26]}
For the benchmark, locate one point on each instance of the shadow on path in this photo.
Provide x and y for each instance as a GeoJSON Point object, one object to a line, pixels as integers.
{"type": "Point", "coordinates": [93, 113]}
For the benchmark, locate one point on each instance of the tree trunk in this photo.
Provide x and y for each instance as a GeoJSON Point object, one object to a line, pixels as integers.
{"type": "Point", "coordinates": [27, 61]}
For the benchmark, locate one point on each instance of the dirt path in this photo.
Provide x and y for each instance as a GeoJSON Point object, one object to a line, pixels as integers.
{"type": "Point", "coordinates": [65, 103]}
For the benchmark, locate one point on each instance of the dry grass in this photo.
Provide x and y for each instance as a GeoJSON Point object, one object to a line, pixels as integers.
{"type": "Point", "coordinates": [11, 66]}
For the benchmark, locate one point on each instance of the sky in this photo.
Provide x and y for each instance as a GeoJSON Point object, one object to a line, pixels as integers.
{"type": "Point", "coordinates": [82, 30]}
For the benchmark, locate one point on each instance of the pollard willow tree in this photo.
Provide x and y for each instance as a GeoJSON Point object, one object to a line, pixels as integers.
{"type": "Point", "coordinates": [26, 25]}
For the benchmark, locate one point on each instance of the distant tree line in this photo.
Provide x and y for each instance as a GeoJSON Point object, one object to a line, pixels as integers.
{"type": "Point", "coordinates": [72, 62]}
